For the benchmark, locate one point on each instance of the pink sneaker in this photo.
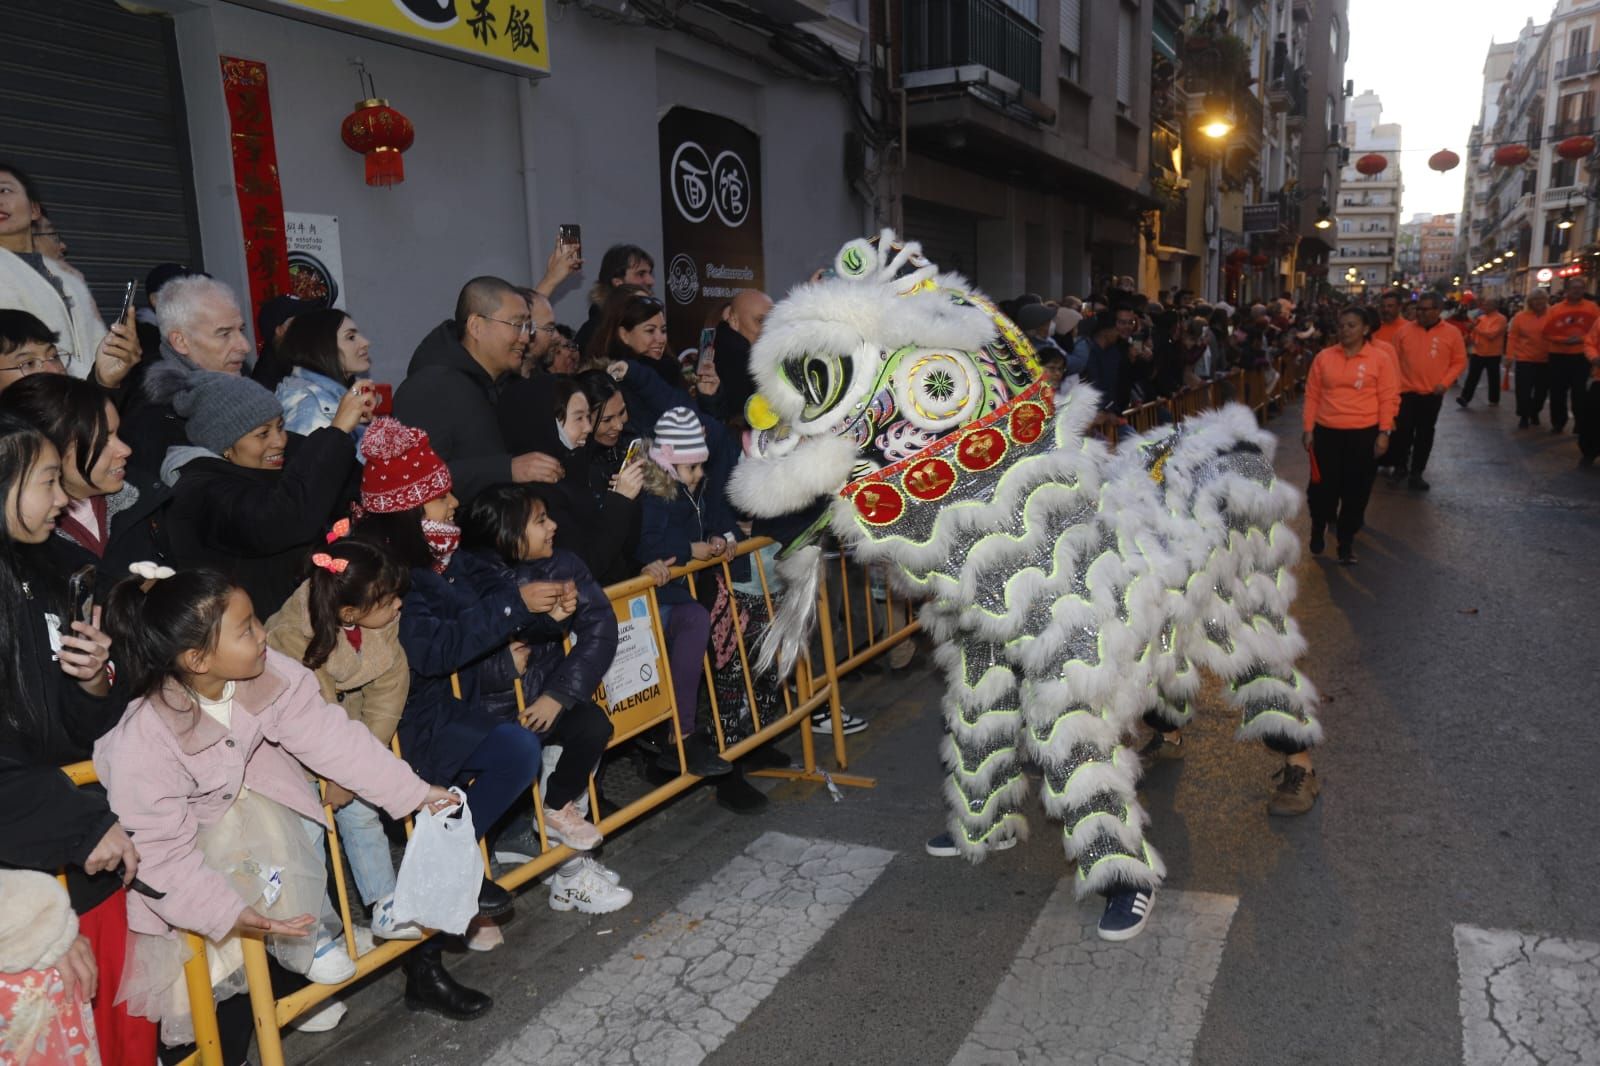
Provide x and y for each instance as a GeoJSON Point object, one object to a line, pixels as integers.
{"type": "Point", "coordinates": [568, 827]}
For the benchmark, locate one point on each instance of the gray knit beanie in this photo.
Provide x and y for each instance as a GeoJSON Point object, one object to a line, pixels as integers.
{"type": "Point", "coordinates": [680, 438]}
{"type": "Point", "coordinates": [221, 408]}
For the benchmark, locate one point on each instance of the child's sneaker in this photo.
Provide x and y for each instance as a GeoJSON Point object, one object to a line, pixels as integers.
{"type": "Point", "coordinates": [331, 965]}
{"type": "Point", "coordinates": [384, 925]}
{"type": "Point", "coordinates": [588, 892]}
{"type": "Point", "coordinates": [568, 827]}
{"type": "Point", "coordinates": [593, 866]}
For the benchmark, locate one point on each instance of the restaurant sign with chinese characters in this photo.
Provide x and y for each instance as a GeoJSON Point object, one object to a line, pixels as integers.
{"type": "Point", "coordinates": [506, 34]}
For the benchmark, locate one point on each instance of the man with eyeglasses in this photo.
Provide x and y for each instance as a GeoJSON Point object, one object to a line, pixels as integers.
{"type": "Point", "coordinates": [454, 381]}
{"type": "Point", "coordinates": [27, 346]}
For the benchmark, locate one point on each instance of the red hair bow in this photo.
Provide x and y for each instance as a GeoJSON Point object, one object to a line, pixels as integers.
{"type": "Point", "coordinates": [329, 563]}
{"type": "Point", "coordinates": [341, 528]}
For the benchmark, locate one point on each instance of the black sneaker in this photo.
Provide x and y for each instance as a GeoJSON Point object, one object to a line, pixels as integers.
{"type": "Point", "coordinates": [1416, 484]}
{"type": "Point", "coordinates": [1347, 556]}
{"type": "Point", "coordinates": [1522, 423]}
{"type": "Point", "coordinates": [943, 846]}
{"type": "Point", "coordinates": [1462, 403]}
{"type": "Point", "coordinates": [822, 722]}
{"type": "Point", "coordinates": [1318, 541]}
{"type": "Point", "coordinates": [1125, 914]}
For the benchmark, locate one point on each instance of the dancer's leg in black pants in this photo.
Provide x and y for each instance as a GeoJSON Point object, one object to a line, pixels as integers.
{"type": "Point", "coordinates": [1348, 466]}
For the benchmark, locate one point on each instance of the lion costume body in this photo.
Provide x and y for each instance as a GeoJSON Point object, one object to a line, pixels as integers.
{"type": "Point", "coordinates": [1069, 589]}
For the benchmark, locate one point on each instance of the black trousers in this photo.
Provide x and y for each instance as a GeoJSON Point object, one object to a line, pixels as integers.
{"type": "Point", "coordinates": [1476, 366]}
{"type": "Point", "coordinates": [1589, 425]}
{"type": "Point", "coordinates": [1533, 385]}
{"type": "Point", "coordinates": [583, 731]}
{"type": "Point", "coordinates": [1569, 376]}
{"type": "Point", "coordinates": [1348, 468]}
{"type": "Point", "coordinates": [1413, 431]}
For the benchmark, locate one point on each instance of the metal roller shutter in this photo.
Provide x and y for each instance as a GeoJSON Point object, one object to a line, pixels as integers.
{"type": "Point", "coordinates": [948, 237]}
{"type": "Point", "coordinates": [91, 106]}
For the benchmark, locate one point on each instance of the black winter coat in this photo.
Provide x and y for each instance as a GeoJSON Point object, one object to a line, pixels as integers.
{"type": "Point", "coordinates": [259, 526]}
{"type": "Point", "coordinates": [568, 677]}
{"type": "Point", "coordinates": [137, 516]}
{"type": "Point", "coordinates": [47, 822]}
{"type": "Point", "coordinates": [451, 623]}
{"type": "Point", "coordinates": [448, 395]}
{"type": "Point", "coordinates": [594, 523]}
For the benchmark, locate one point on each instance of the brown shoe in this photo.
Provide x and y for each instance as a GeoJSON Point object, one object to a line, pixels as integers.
{"type": "Point", "coordinates": [1162, 748]}
{"type": "Point", "coordinates": [1296, 792]}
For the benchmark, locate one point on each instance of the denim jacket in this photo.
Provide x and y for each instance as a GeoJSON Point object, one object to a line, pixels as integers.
{"type": "Point", "coordinates": [310, 400]}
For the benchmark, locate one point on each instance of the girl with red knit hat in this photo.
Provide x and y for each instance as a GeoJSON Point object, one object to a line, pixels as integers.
{"type": "Point", "coordinates": [459, 609]}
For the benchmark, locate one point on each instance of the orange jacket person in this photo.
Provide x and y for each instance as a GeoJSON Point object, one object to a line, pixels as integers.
{"type": "Point", "coordinates": [1432, 356]}
{"type": "Point", "coordinates": [1525, 344]}
{"type": "Point", "coordinates": [1488, 340]}
{"type": "Point", "coordinates": [1352, 398]}
{"type": "Point", "coordinates": [1565, 327]}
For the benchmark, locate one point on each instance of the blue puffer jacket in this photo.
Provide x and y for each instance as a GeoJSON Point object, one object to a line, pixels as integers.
{"type": "Point", "coordinates": [570, 677]}
{"type": "Point", "coordinates": [450, 624]}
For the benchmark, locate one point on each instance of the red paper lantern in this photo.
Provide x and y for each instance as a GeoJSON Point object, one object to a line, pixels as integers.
{"type": "Point", "coordinates": [1259, 260]}
{"type": "Point", "coordinates": [1444, 159]}
{"type": "Point", "coordinates": [1238, 255]}
{"type": "Point", "coordinates": [1511, 155]}
{"type": "Point", "coordinates": [1575, 147]}
{"type": "Point", "coordinates": [1372, 163]}
{"type": "Point", "coordinates": [380, 133]}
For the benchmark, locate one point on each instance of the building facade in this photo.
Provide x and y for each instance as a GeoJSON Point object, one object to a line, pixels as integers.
{"type": "Point", "coordinates": [1541, 222]}
{"type": "Point", "coordinates": [1474, 237]}
{"type": "Point", "coordinates": [1369, 204]}
{"type": "Point", "coordinates": [1438, 266]}
{"type": "Point", "coordinates": [502, 155]}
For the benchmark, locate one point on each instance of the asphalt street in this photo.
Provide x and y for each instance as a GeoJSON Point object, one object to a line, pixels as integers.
{"type": "Point", "coordinates": [1451, 857]}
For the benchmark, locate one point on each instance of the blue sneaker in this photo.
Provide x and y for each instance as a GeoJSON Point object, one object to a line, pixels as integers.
{"type": "Point", "coordinates": [943, 846]}
{"type": "Point", "coordinates": [1126, 913]}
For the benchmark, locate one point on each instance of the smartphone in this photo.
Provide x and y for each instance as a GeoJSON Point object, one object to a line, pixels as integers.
{"type": "Point", "coordinates": [570, 233]}
{"type": "Point", "coordinates": [635, 450]}
{"type": "Point", "coordinates": [80, 600]}
{"type": "Point", "coordinates": [708, 351]}
{"type": "Point", "coordinates": [127, 300]}
{"type": "Point", "coordinates": [385, 391]}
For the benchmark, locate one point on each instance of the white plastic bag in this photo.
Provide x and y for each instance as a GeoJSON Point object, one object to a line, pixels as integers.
{"type": "Point", "coordinates": [442, 871]}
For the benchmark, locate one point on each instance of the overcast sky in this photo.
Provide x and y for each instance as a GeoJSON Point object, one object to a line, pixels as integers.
{"type": "Point", "coordinates": [1424, 58]}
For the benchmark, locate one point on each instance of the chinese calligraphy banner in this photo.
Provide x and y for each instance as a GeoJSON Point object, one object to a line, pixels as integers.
{"type": "Point", "coordinates": [710, 220]}
{"type": "Point", "coordinates": [255, 180]}
{"type": "Point", "coordinates": [507, 34]}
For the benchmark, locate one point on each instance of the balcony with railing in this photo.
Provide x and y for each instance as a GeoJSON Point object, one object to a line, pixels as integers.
{"type": "Point", "coordinates": [1578, 66]}
{"type": "Point", "coordinates": [941, 34]}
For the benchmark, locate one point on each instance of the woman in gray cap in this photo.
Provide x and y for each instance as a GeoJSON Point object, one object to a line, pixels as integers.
{"type": "Point", "coordinates": [251, 499]}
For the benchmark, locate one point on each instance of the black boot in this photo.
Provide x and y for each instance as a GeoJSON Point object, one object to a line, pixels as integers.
{"type": "Point", "coordinates": [493, 901]}
{"type": "Point", "coordinates": [736, 794]}
{"type": "Point", "coordinates": [430, 987]}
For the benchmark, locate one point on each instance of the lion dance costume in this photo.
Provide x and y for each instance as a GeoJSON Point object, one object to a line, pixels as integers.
{"type": "Point", "coordinates": [1070, 589]}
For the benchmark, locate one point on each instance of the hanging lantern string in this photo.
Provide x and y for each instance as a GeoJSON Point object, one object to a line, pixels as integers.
{"type": "Point", "coordinates": [369, 89]}
{"type": "Point", "coordinates": [1482, 147]}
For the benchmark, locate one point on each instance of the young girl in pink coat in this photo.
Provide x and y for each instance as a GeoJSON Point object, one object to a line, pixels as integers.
{"type": "Point", "coordinates": [202, 772]}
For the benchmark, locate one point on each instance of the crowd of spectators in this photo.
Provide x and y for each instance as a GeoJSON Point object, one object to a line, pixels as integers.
{"type": "Point", "coordinates": [283, 575]}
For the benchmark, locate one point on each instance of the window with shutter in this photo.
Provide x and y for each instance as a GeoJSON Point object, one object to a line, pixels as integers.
{"type": "Point", "coordinates": [1071, 38]}
{"type": "Point", "coordinates": [1127, 32]}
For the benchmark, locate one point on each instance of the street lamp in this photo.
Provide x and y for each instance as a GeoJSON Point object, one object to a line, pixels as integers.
{"type": "Point", "coordinates": [1566, 220]}
{"type": "Point", "coordinates": [1217, 120]}
{"type": "Point", "coordinates": [1324, 216]}
{"type": "Point", "coordinates": [1510, 252]}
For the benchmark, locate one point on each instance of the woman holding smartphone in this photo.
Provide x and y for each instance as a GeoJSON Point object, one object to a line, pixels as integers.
{"type": "Point", "coordinates": [330, 357]}
{"type": "Point", "coordinates": [56, 700]}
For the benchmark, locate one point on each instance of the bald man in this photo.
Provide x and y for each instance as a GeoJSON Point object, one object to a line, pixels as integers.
{"type": "Point", "coordinates": [746, 315]}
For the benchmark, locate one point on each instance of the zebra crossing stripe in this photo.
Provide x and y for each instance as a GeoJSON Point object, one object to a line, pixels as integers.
{"type": "Point", "coordinates": [680, 988]}
{"type": "Point", "coordinates": [1527, 999]}
{"type": "Point", "coordinates": [1072, 998]}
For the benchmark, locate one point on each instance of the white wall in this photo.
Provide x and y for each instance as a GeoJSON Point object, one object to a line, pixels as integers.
{"type": "Point", "coordinates": [466, 206]}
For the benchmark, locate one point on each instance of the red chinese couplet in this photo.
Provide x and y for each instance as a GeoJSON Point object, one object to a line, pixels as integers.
{"type": "Point", "coordinates": [255, 180]}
